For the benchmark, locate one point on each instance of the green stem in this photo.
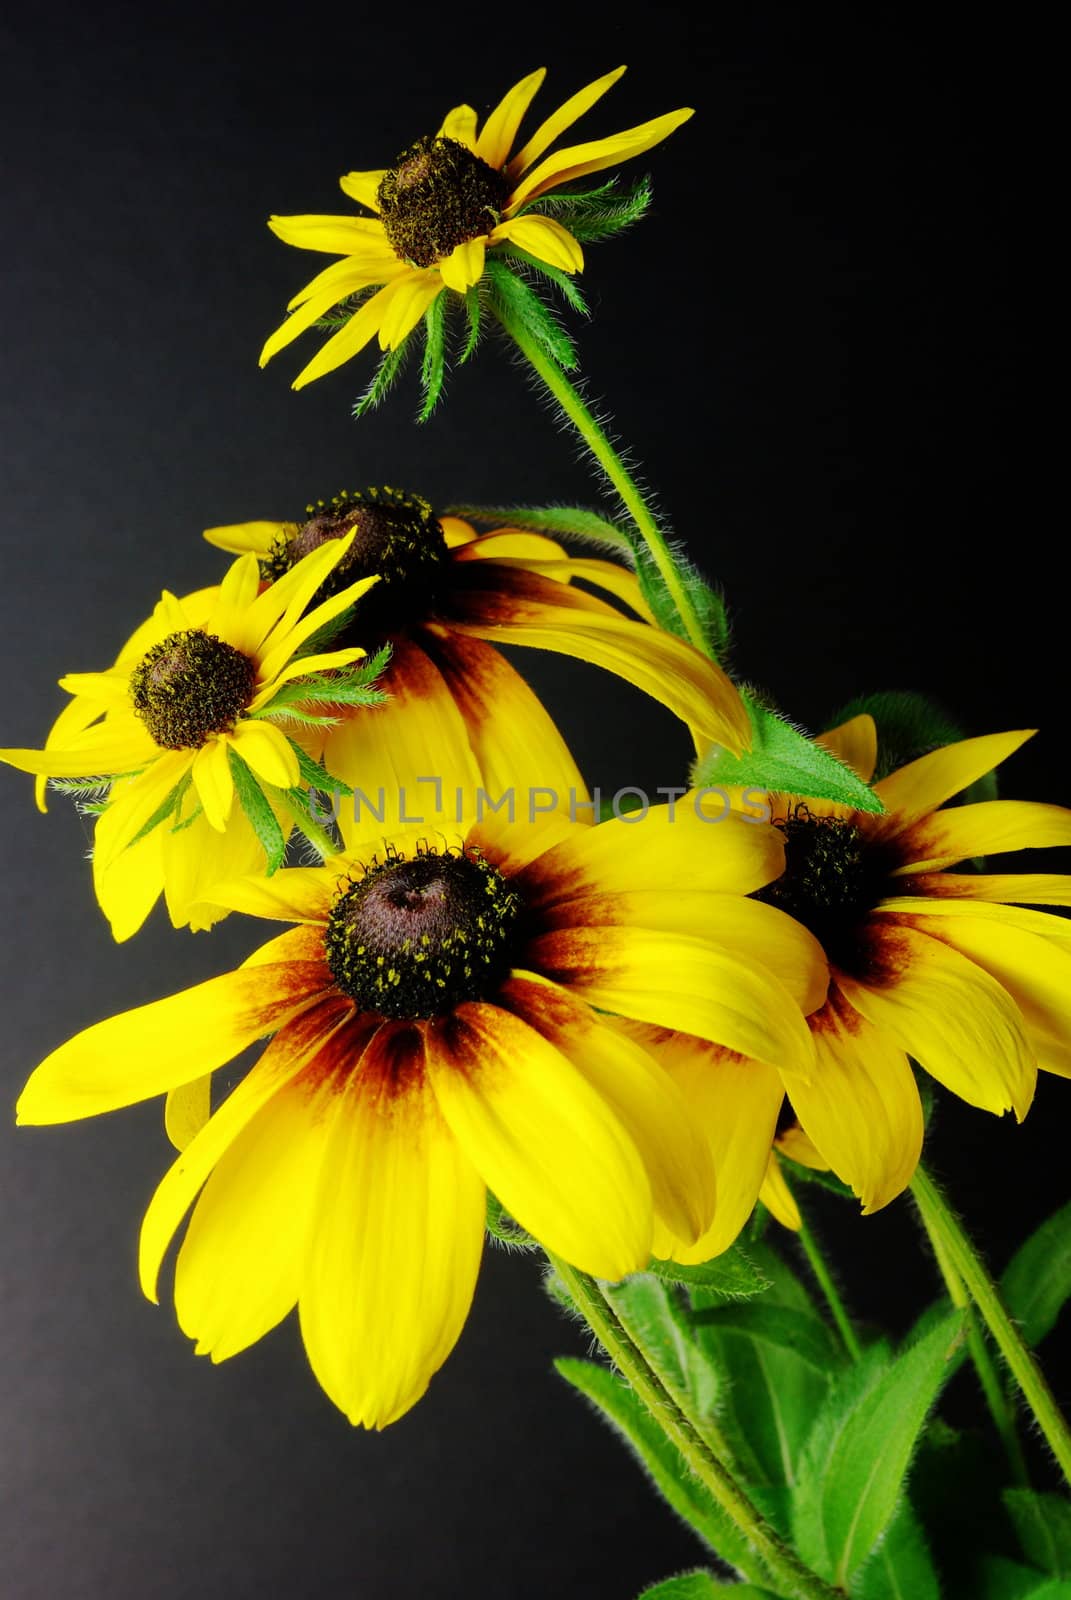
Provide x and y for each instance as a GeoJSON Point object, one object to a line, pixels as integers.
{"type": "Point", "coordinates": [775, 1560]}
{"type": "Point", "coordinates": [824, 1279]}
{"type": "Point", "coordinates": [582, 419]}
{"type": "Point", "coordinates": [942, 1224]}
{"type": "Point", "coordinates": [988, 1377]}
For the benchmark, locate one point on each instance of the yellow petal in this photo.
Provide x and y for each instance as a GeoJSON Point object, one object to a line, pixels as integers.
{"type": "Point", "coordinates": [860, 1107]}
{"type": "Point", "coordinates": [989, 827]}
{"type": "Point", "coordinates": [499, 131]}
{"type": "Point", "coordinates": [352, 337]}
{"type": "Point", "coordinates": [460, 269]}
{"type": "Point", "coordinates": [363, 187]}
{"type": "Point", "coordinates": [197, 857]}
{"type": "Point", "coordinates": [297, 894]}
{"type": "Point", "coordinates": [257, 537]}
{"type": "Point", "coordinates": [680, 983]}
{"type": "Point", "coordinates": [511, 544]}
{"type": "Point", "coordinates": [778, 1198]}
{"type": "Point", "coordinates": [735, 1103]}
{"type": "Point", "coordinates": [100, 751]}
{"type": "Point", "coordinates": [630, 1080]}
{"type": "Point", "coordinates": [927, 783]}
{"type": "Point", "coordinates": [956, 1020]}
{"type": "Point", "coordinates": [308, 1039]}
{"type": "Point", "coordinates": [396, 1239]}
{"type": "Point", "coordinates": [556, 124]}
{"type": "Point", "coordinates": [546, 1143]}
{"type": "Point", "coordinates": [236, 594]}
{"type": "Point", "coordinates": [288, 638]}
{"type": "Point", "coordinates": [335, 236]}
{"type": "Point", "coordinates": [854, 742]}
{"type": "Point", "coordinates": [580, 159]}
{"type": "Point", "coordinates": [187, 1109]}
{"type": "Point", "coordinates": [413, 295]}
{"type": "Point", "coordinates": [315, 305]}
{"type": "Point", "coordinates": [239, 1270]}
{"type": "Point", "coordinates": [278, 609]}
{"type": "Point", "coordinates": [133, 802]}
{"type": "Point", "coordinates": [268, 752]}
{"type": "Point", "coordinates": [460, 124]}
{"type": "Point", "coordinates": [1021, 888]}
{"type": "Point", "coordinates": [213, 782]}
{"type": "Point", "coordinates": [376, 264]}
{"type": "Point", "coordinates": [543, 238]}
{"type": "Point", "coordinates": [155, 1048]}
{"type": "Point", "coordinates": [128, 889]}
{"type": "Point", "coordinates": [107, 688]}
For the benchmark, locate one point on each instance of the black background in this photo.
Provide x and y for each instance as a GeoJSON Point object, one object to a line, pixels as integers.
{"type": "Point", "coordinates": [821, 348]}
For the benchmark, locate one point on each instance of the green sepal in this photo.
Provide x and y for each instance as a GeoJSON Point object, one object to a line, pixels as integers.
{"type": "Point", "coordinates": [816, 1175]}
{"type": "Point", "coordinates": [1037, 1280]}
{"type": "Point", "coordinates": [522, 304]}
{"type": "Point", "coordinates": [707, 603]}
{"type": "Point", "coordinates": [313, 826]}
{"type": "Point", "coordinates": [566, 285]}
{"type": "Point", "coordinates": [1043, 1524]}
{"type": "Point", "coordinates": [784, 759]}
{"type": "Point", "coordinates": [629, 1417]}
{"type": "Point", "coordinates": [574, 522]}
{"type": "Point", "coordinates": [474, 324]}
{"type": "Point", "coordinates": [433, 365]}
{"type": "Point", "coordinates": [597, 214]}
{"type": "Point", "coordinates": [656, 1318]}
{"type": "Point", "coordinates": [910, 725]}
{"type": "Point", "coordinates": [171, 803]}
{"type": "Point", "coordinates": [385, 377]}
{"type": "Point", "coordinates": [344, 686]}
{"type": "Point", "coordinates": [502, 1228]}
{"type": "Point", "coordinates": [326, 634]}
{"type": "Point", "coordinates": [314, 775]}
{"type": "Point", "coordinates": [852, 1471]}
{"type": "Point", "coordinates": [902, 1567]}
{"type": "Point", "coordinates": [90, 788]}
{"type": "Point", "coordinates": [731, 1274]}
{"type": "Point", "coordinates": [262, 819]}
{"type": "Point", "coordinates": [702, 1586]}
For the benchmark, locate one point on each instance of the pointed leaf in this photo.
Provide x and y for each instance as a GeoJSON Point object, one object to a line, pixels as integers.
{"type": "Point", "coordinates": [998, 1579]}
{"type": "Point", "coordinates": [1043, 1523]}
{"type": "Point", "coordinates": [781, 758]}
{"type": "Point", "coordinates": [730, 1274]}
{"type": "Point", "coordinates": [668, 1470]}
{"type": "Point", "coordinates": [572, 521]}
{"type": "Point", "coordinates": [901, 1567]}
{"type": "Point", "coordinates": [655, 1318]}
{"type": "Point", "coordinates": [857, 1459]}
{"type": "Point", "coordinates": [796, 1332]}
{"type": "Point", "coordinates": [261, 817]}
{"type": "Point", "coordinates": [701, 1586]}
{"type": "Point", "coordinates": [1037, 1280]}
{"type": "Point", "coordinates": [433, 366]}
{"type": "Point", "coordinates": [707, 603]}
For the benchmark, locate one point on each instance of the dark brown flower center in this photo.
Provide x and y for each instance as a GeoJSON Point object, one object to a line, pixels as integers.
{"type": "Point", "coordinates": [436, 197]}
{"type": "Point", "coordinates": [189, 685]}
{"type": "Point", "coordinates": [414, 938]}
{"type": "Point", "coordinates": [398, 538]}
{"type": "Point", "coordinates": [832, 879]}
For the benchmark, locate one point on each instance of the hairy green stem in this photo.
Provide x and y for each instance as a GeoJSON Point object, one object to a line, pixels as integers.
{"type": "Point", "coordinates": [988, 1377]}
{"type": "Point", "coordinates": [942, 1224]}
{"type": "Point", "coordinates": [773, 1559]}
{"type": "Point", "coordinates": [824, 1279]}
{"type": "Point", "coordinates": [582, 419]}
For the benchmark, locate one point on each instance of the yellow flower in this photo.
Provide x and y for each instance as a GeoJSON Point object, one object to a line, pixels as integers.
{"type": "Point", "coordinates": [186, 706]}
{"type": "Point", "coordinates": [439, 1029]}
{"type": "Point", "coordinates": [924, 962]}
{"type": "Point", "coordinates": [457, 710]}
{"type": "Point", "coordinates": [449, 199]}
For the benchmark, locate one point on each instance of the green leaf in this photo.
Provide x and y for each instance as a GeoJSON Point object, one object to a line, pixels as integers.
{"type": "Point", "coordinates": [522, 304]}
{"type": "Point", "coordinates": [167, 807]}
{"type": "Point", "coordinates": [570, 521]}
{"type": "Point", "coordinates": [707, 603]}
{"type": "Point", "coordinates": [824, 1180]}
{"type": "Point", "coordinates": [730, 1274]}
{"type": "Point", "coordinates": [901, 1567]}
{"type": "Point", "coordinates": [909, 725]}
{"type": "Point", "coordinates": [781, 758]}
{"type": "Point", "coordinates": [599, 213]}
{"type": "Point", "coordinates": [1037, 1280]}
{"type": "Point", "coordinates": [562, 281]}
{"type": "Point", "coordinates": [386, 376]}
{"type": "Point", "coordinates": [627, 1415]}
{"type": "Point", "coordinates": [343, 686]}
{"type": "Point", "coordinates": [316, 776]}
{"type": "Point", "coordinates": [474, 318]}
{"type": "Point", "coordinates": [853, 1469]}
{"type": "Point", "coordinates": [998, 1579]}
{"type": "Point", "coordinates": [701, 1586]}
{"type": "Point", "coordinates": [433, 365]}
{"type": "Point", "coordinates": [654, 1316]}
{"type": "Point", "coordinates": [502, 1227]}
{"type": "Point", "coordinates": [89, 787]}
{"type": "Point", "coordinates": [797, 1332]}
{"type": "Point", "coordinates": [1043, 1523]}
{"type": "Point", "coordinates": [326, 634]}
{"type": "Point", "coordinates": [255, 804]}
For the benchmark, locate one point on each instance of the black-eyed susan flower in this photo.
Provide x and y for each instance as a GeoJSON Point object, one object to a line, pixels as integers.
{"type": "Point", "coordinates": [925, 962]}
{"type": "Point", "coordinates": [457, 710]}
{"type": "Point", "coordinates": [452, 200]}
{"type": "Point", "coordinates": [183, 725]}
{"type": "Point", "coordinates": [438, 1029]}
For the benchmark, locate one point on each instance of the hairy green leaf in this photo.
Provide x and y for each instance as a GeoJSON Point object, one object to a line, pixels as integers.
{"type": "Point", "coordinates": [474, 322]}
{"type": "Point", "coordinates": [599, 213]}
{"type": "Point", "coordinates": [731, 1275]}
{"type": "Point", "coordinates": [786, 1329]}
{"type": "Point", "coordinates": [386, 376]}
{"type": "Point", "coordinates": [502, 1227]}
{"type": "Point", "coordinates": [901, 1567]}
{"type": "Point", "coordinates": [262, 819]}
{"type": "Point", "coordinates": [433, 365]}
{"type": "Point", "coordinates": [783, 759]}
{"type": "Point", "coordinates": [564, 282]}
{"type": "Point", "coordinates": [1037, 1280]}
{"type": "Point", "coordinates": [701, 1586]}
{"type": "Point", "coordinates": [167, 808]}
{"type": "Point", "coordinates": [570, 521]}
{"type": "Point", "coordinates": [522, 304]}
{"type": "Point", "coordinates": [654, 1316]}
{"type": "Point", "coordinates": [707, 603]}
{"type": "Point", "coordinates": [316, 776]}
{"type": "Point", "coordinates": [628, 1416]}
{"type": "Point", "coordinates": [1043, 1523]}
{"type": "Point", "coordinates": [996, 1578]}
{"type": "Point", "coordinates": [853, 1469]}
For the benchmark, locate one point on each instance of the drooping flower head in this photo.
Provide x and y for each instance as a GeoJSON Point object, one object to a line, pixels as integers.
{"type": "Point", "coordinates": [457, 710]}
{"type": "Point", "coordinates": [452, 201]}
{"type": "Point", "coordinates": [185, 721]}
{"type": "Point", "coordinates": [440, 1027]}
{"type": "Point", "coordinates": [926, 962]}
